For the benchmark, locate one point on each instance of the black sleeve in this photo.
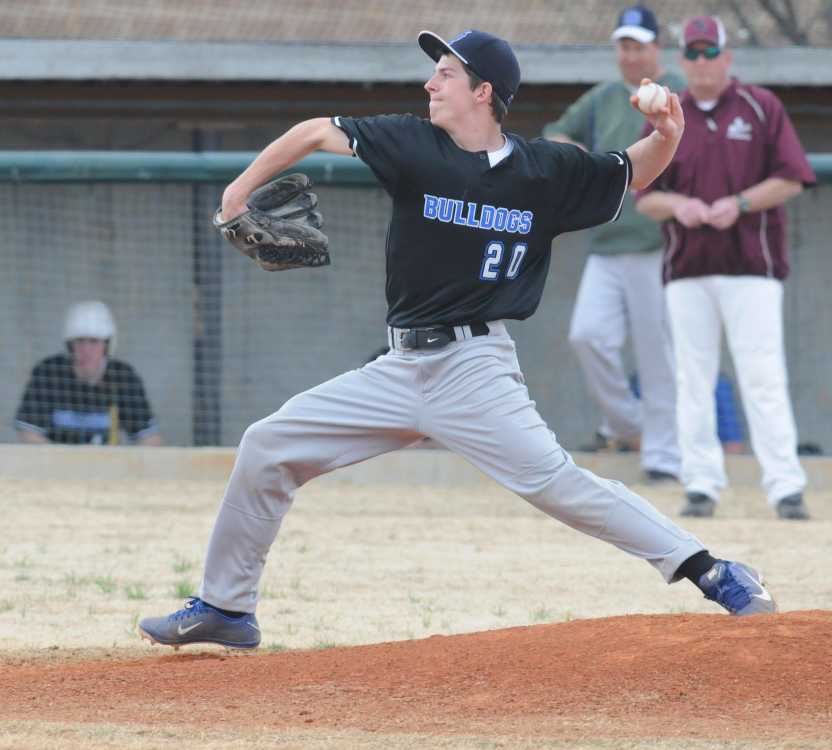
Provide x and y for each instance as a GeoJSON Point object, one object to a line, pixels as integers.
{"type": "Point", "coordinates": [589, 187]}
{"type": "Point", "coordinates": [384, 143]}
{"type": "Point", "coordinates": [134, 409]}
{"type": "Point", "coordinates": [34, 411]}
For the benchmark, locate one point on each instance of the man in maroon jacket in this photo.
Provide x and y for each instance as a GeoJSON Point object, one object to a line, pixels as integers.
{"type": "Point", "coordinates": [725, 259]}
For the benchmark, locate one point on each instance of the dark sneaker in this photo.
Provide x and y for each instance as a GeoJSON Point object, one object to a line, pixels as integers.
{"type": "Point", "coordinates": [738, 588]}
{"type": "Point", "coordinates": [699, 505]}
{"type": "Point", "coordinates": [602, 444]}
{"type": "Point", "coordinates": [199, 622]}
{"type": "Point", "coordinates": [656, 476]}
{"type": "Point", "coordinates": [792, 508]}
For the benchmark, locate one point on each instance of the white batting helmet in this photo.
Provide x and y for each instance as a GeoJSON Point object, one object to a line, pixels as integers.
{"type": "Point", "coordinates": [90, 320]}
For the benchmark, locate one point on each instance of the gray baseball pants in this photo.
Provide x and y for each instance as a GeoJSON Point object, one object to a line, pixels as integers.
{"type": "Point", "coordinates": [621, 296]}
{"type": "Point", "coordinates": [470, 397]}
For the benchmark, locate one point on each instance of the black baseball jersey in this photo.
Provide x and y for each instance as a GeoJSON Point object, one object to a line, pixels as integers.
{"type": "Point", "coordinates": [470, 242]}
{"type": "Point", "coordinates": [67, 410]}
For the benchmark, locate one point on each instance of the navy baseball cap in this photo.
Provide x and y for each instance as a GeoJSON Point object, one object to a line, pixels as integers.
{"type": "Point", "coordinates": [637, 23]}
{"type": "Point", "coordinates": [490, 57]}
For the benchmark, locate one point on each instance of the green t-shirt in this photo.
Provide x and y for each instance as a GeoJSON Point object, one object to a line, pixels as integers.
{"type": "Point", "coordinates": [604, 120]}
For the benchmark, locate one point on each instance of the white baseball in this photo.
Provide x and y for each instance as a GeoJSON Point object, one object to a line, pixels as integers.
{"type": "Point", "coordinates": [651, 98]}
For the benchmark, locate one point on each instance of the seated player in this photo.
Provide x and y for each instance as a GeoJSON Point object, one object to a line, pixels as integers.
{"type": "Point", "coordinates": [85, 395]}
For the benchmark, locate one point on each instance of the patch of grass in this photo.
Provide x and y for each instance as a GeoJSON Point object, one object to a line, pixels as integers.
{"type": "Point", "coordinates": [71, 579]}
{"type": "Point", "coordinates": [6, 606]}
{"type": "Point", "coordinates": [21, 577]}
{"type": "Point", "coordinates": [321, 645]}
{"type": "Point", "coordinates": [541, 614]}
{"type": "Point", "coordinates": [131, 629]}
{"type": "Point", "coordinates": [183, 589]}
{"type": "Point", "coordinates": [106, 584]}
{"type": "Point", "coordinates": [275, 647]}
{"type": "Point", "coordinates": [181, 565]}
{"type": "Point", "coordinates": [23, 562]}
{"type": "Point", "coordinates": [135, 591]}
{"type": "Point", "coordinates": [267, 592]}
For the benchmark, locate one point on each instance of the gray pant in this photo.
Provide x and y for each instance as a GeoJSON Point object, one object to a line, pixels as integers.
{"type": "Point", "coordinates": [470, 397]}
{"type": "Point", "coordinates": [621, 296]}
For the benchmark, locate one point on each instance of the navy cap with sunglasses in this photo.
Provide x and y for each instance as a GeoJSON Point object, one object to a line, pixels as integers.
{"type": "Point", "coordinates": [490, 57]}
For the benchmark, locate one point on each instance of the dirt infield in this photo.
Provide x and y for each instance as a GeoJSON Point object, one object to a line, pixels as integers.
{"type": "Point", "coordinates": [660, 677]}
{"type": "Point", "coordinates": [404, 616]}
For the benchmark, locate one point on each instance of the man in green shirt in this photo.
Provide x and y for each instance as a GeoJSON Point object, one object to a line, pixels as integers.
{"type": "Point", "coordinates": [621, 289]}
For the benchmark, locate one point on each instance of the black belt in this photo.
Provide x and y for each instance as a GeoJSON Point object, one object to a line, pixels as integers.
{"type": "Point", "coordinates": [434, 337]}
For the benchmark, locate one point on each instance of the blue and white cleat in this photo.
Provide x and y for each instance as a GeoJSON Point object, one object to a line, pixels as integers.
{"type": "Point", "coordinates": [738, 588]}
{"type": "Point", "coordinates": [199, 622]}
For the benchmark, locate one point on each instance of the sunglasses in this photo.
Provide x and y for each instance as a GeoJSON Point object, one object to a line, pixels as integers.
{"type": "Point", "coordinates": [709, 53]}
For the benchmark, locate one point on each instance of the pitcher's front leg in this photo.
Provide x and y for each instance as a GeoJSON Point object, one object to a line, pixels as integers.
{"type": "Point", "coordinates": [351, 418]}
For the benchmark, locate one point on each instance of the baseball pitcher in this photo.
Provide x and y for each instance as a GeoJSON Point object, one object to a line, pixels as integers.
{"type": "Point", "coordinates": [469, 243]}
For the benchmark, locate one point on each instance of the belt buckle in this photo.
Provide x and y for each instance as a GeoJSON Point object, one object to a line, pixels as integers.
{"type": "Point", "coordinates": [408, 340]}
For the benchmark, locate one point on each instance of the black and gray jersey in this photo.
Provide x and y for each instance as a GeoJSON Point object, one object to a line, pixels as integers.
{"type": "Point", "coordinates": [470, 242]}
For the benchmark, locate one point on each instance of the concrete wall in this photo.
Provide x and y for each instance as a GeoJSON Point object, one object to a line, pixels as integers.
{"type": "Point", "coordinates": [133, 246]}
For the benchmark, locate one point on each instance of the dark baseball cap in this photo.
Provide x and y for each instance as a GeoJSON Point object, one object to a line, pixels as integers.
{"type": "Point", "coordinates": [490, 57]}
{"type": "Point", "coordinates": [637, 23]}
{"type": "Point", "coordinates": [704, 29]}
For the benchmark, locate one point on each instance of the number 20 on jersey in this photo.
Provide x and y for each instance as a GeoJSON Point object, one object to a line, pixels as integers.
{"type": "Point", "coordinates": [495, 254]}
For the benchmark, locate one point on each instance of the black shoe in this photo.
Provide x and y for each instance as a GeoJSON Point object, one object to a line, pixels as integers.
{"type": "Point", "coordinates": [655, 476]}
{"type": "Point", "coordinates": [699, 505]}
{"type": "Point", "coordinates": [792, 508]}
{"type": "Point", "coordinates": [602, 444]}
{"type": "Point", "coordinates": [596, 445]}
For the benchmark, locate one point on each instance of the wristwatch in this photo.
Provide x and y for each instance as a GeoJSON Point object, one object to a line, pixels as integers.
{"type": "Point", "coordinates": [743, 203]}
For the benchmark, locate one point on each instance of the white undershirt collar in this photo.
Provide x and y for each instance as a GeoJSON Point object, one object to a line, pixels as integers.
{"type": "Point", "coordinates": [495, 157]}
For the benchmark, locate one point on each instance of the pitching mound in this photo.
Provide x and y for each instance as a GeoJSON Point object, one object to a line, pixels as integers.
{"type": "Point", "coordinates": [705, 676]}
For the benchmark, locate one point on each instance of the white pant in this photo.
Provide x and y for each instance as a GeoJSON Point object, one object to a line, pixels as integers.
{"type": "Point", "coordinates": [470, 397]}
{"type": "Point", "coordinates": [621, 294]}
{"type": "Point", "coordinates": [750, 309]}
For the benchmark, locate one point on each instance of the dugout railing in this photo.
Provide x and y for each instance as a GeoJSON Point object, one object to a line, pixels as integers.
{"type": "Point", "coordinates": [217, 166]}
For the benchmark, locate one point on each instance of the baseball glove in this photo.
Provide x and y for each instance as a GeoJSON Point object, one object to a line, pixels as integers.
{"type": "Point", "coordinates": [281, 228]}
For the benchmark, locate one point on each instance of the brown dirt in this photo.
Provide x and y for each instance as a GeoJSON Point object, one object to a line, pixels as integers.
{"type": "Point", "coordinates": [664, 676]}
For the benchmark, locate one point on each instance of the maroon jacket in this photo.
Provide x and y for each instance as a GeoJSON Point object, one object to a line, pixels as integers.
{"type": "Point", "coordinates": [746, 138]}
